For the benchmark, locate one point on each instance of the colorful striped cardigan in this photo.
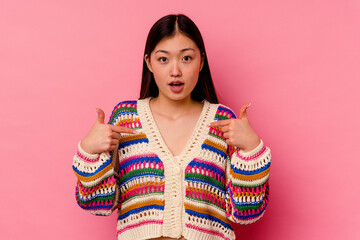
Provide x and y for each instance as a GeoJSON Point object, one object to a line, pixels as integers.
{"type": "Point", "coordinates": [196, 194]}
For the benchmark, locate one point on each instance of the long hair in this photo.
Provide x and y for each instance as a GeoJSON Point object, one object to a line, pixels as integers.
{"type": "Point", "coordinates": [167, 27]}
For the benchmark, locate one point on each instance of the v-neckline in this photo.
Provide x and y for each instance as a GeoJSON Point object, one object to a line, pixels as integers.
{"type": "Point", "coordinates": [156, 140]}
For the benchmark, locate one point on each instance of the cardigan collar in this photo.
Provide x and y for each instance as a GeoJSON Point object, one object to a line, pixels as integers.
{"type": "Point", "coordinates": [157, 143]}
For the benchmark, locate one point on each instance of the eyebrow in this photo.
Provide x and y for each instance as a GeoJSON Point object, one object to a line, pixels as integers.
{"type": "Point", "coordinates": [182, 50]}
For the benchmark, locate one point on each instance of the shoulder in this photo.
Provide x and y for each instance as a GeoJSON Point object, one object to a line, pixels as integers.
{"type": "Point", "coordinates": [224, 112]}
{"type": "Point", "coordinates": [127, 107]}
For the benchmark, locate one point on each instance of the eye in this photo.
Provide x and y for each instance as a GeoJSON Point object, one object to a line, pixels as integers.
{"type": "Point", "coordinates": [187, 58]}
{"type": "Point", "coordinates": [162, 59]}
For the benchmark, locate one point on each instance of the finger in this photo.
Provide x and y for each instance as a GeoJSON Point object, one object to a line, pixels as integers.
{"type": "Point", "coordinates": [228, 142]}
{"type": "Point", "coordinates": [226, 135]}
{"type": "Point", "coordinates": [225, 129]}
{"type": "Point", "coordinates": [112, 147]}
{"type": "Point", "coordinates": [101, 115]}
{"type": "Point", "coordinates": [115, 135]}
{"type": "Point", "coordinates": [114, 141]}
{"type": "Point", "coordinates": [220, 123]}
{"type": "Point", "coordinates": [120, 129]}
{"type": "Point", "coordinates": [243, 110]}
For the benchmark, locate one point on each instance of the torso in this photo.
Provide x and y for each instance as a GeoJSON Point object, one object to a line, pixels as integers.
{"type": "Point", "coordinates": [176, 133]}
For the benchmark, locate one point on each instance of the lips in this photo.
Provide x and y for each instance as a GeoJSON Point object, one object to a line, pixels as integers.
{"type": "Point", "coordinates": [176, 83]}
{"type": "Point", "coordinates": [176, 86]}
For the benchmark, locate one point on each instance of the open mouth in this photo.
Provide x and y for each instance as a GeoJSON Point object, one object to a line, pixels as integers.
{"type": "Point", "coordinates": [175, 84]}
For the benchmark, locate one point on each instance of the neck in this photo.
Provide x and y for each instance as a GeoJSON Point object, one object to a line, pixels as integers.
{"type": "Point", "coordinates": [172, 108]}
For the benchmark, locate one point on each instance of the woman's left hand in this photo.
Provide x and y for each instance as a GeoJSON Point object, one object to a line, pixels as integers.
{"type": "Point", "coordinates": [238, 132]}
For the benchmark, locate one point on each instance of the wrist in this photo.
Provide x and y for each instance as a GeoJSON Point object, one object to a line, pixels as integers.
{"type": "Point", "coordinates": [252, 153]}
{"type": "Point", "coordinates": [83, 147]}
{"type": "Point", "coordinates": [252, 145]}
{"type": "Point", "coordinates": [87, 157]}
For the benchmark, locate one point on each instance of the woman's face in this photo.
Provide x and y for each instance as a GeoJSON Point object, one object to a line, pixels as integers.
{"type": "Point", "coordinates": [175, 63]}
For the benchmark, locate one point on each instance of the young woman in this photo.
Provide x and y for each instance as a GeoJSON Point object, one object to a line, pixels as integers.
{"type": "Point", "coordinates": [175, 163]}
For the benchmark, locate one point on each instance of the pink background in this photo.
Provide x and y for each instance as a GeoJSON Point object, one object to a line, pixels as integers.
{"type": "Point", "coordinates": [296, 61]}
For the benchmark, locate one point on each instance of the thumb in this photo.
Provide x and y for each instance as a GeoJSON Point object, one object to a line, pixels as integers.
{"type": "Point", "coordinates": [243, 110]}
{"type": "Point", "coordinates": [101, 115]}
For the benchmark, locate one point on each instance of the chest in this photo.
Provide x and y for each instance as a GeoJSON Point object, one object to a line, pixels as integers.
{"type": "Point", "coordinates": [176, 133]}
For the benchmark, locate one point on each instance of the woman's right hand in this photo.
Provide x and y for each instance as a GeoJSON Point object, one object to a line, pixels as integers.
{"type": "Point", "coordinates": [102, 137]}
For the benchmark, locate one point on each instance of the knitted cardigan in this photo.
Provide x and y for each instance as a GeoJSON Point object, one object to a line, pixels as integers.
{"type": "Point", "coordinates": [197, 194]}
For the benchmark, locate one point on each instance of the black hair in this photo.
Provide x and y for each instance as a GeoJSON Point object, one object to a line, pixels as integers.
{"type": "Point", "coordinates": [167, 27]}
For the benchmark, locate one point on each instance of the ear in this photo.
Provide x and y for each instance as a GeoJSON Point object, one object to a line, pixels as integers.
{"type": "Point", "coordinates": [147, 60]}
{"type": "Point", "coordinates": [202, 61]}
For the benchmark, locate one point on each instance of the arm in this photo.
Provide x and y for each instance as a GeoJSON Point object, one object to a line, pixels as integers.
{"type": "Point", "coordinates": [248, 165]}
{"type": "Point", "coordinates": [96, 190]}
{"type": "Point", "coordinates": [247, 188]}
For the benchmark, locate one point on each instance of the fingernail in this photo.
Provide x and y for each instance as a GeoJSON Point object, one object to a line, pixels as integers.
{"type": "Point", "coordinates": [96, 110]}
{"type": "Point", "coordinates": [134, 131]}
{"type": "Point", "coordinates": [248, 105]}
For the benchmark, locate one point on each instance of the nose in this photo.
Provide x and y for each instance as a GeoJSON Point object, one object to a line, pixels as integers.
{"type": "Point", "coordinates": [175, 70]}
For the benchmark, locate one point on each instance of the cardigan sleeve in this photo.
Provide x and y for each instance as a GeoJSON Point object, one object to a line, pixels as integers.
{"type": "Point", "coordinates": [96, 185]}
{"type": "Point", "coordinates": [247, 184]}
{"type": "Point", "coordinates": [96, 189]}
{"type": "Point", "coordinates": [247, 178]}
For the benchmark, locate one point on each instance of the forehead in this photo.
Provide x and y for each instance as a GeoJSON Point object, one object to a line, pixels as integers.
{"type": "Point", "coordinates": [176, 43]}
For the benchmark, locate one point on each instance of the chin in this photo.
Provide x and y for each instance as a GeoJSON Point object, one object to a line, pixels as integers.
{"type": "Point", "coordinates": [179, 97]}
